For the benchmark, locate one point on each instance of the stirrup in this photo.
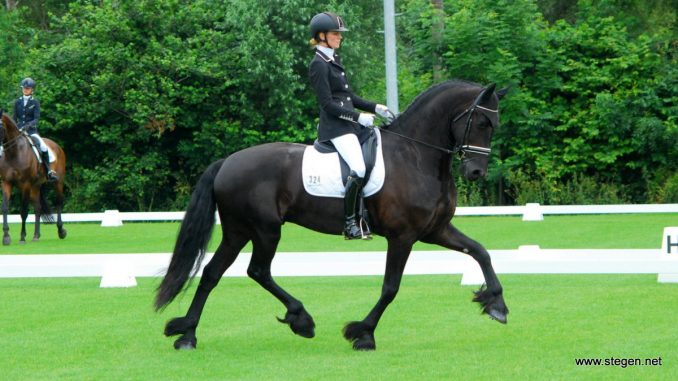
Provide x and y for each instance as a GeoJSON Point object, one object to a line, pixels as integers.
{"type": "Point", "coordinates": [355, 231]}
{"type": "Point", "coordinates": [352, 231]}
{"type": "Point", "coordinates": [364, 229]}
{"type": "Point", "coordinates": [52, 176]}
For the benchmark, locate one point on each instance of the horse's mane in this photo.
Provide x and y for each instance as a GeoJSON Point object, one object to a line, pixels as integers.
{"type": "Point", "coordinates": [4, 117]}
{"type": "Point", "coordinates": [433, 91]}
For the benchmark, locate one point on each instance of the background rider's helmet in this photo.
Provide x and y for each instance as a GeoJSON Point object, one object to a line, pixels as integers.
{"type": "Point", "coordinates": [28, 83]}
{"type": "Point", "coordinates": [326, 22]}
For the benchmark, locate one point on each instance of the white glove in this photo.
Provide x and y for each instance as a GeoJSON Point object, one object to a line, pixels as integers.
{"type": "Point", "coordinates": [366, 120]}
{"type": "Point", "coordinates": [382, 110]}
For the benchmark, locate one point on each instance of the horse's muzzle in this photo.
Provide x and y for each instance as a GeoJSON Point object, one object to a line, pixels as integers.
{"type": "Point", "coordinates": [473, 169]}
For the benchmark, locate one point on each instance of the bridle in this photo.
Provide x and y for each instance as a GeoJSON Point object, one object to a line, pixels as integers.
{"type": "Point", "coordinates": [462, 148]}
{"type": "Point", "coordinates": [11, 142]}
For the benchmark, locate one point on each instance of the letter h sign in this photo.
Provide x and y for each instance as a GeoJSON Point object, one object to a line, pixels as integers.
{"type": "Point", "coordinates": [670, 240]}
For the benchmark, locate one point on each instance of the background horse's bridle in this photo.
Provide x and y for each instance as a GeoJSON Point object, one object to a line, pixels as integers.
{"type": "Point", "coordinates": [463, 148]}
{"type": "Point", "coordinates": [12, 142]}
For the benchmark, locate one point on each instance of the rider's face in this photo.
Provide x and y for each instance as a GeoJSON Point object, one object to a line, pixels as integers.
{"type": "Point", "coordinates": [27, 91]}
{"type": "Point", "coordinates": [334, 40]}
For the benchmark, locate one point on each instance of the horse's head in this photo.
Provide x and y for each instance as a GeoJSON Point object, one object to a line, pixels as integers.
{"type": "Point", "coordinates": [7, 126]}
{"type": "Point", "coordinates": [472, 131]}
{"type": "Point", "coordinates": [2, 126]}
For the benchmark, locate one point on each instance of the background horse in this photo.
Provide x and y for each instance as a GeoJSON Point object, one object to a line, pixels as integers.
{"type": "Point", "coordinates": [20, 168]}
{"type": "Point", "coordinates": [258, 189]}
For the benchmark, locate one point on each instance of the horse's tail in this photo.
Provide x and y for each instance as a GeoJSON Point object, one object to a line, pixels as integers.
{"type": "Point", "coordinates": [194, 235]}
{"type": "Point", "coordinates": [45, 210]}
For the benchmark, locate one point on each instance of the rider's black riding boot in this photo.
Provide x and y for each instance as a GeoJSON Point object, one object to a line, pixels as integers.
{"type": "Point", "coordinates": [51, 175]}
{"type": "Point", "coordinates": [353, 186]}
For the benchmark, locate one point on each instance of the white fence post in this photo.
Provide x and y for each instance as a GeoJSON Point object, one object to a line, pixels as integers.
{"type": "Point", "coordinates": [117, 275]}
{"type": "Point", "coordinates": [532, 212]}
{"type": "Point", "coordinates": [111, 218]}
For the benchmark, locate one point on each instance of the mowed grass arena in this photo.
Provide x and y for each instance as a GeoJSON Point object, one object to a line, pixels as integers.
{"type": "Point", "coordinates": [69, 329]}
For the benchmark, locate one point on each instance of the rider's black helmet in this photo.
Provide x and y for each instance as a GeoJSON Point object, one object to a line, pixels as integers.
{"type": "Point", "coordinates": [327, 22]}
{"type": "Point", "coordinates": [28, 83]}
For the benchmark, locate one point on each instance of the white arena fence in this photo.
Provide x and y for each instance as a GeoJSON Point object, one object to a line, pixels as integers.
{"type": "Point", "coordinates": [121, 270]}
{"type": "Point", "coordinates": [529, 212]}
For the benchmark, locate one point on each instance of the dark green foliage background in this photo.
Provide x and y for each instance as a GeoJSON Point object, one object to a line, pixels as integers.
{"type": "Point", "coordinates": [144, 94]}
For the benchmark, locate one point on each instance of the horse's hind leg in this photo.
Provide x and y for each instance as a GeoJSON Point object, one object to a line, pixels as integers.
{"type": "Point", "coordinates": [490, 296]}
{"type": "Point", "coordinates": [263, 250]}
{"type": "Point", "coordinates": [6, 193]}
{"type": "Point", "coordinates": [24, 215]}
{"type": "Point", "coordinates": [185, 326]}
{"type": "Point", "coordinates": [59, 187]}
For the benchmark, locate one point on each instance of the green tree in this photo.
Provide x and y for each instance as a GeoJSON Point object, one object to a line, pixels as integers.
{"type": "Point", "coordinates": [147, 93]}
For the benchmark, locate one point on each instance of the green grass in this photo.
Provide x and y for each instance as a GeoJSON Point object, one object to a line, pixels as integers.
{"type": "Point", "coordinates": [69, 329]}
{"type": "Point", "coordinates": [623, 231]}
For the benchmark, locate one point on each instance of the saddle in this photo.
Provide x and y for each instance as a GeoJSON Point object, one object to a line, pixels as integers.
{"type": "Point", "coordinates": [35, 147]}
{"type": "Point", "coordinates": [322, 167]}
{"type": "Point", "coordinates": [368, 143]}
{"type": "Point", "coordinates": [371, 150]}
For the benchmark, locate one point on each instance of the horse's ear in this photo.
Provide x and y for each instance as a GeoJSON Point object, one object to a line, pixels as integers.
{"type": "Point", "coordinates": [502, 92]}
{"type": "Point", "coordinates": [486, 94]}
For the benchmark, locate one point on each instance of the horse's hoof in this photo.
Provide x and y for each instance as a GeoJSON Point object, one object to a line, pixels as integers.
{"type": "Point", "coordinates": [6, 241]}
{"type": "Point", "coordinates": [36, 239]}
{"type": "Point", "coordinates": [360, 335]}
{"type": "Point", "coordinates": [184, 343]}
{"type": "Point", "coordinates": [62, 233]}
{"type": "Point", "coordinates": [497, 315]}
{"type": "Point", "coordinates": [300, 323]}
{"type": "Point", "coordinates": [22, 242]}
{"type": "Point", "coordinates": [364, 344]}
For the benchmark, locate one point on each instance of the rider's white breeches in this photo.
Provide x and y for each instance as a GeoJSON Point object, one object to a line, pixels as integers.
{"type": "Point", "coordinates": [348, 147]}
{"type": "Point", "coordinates": [43, 147]}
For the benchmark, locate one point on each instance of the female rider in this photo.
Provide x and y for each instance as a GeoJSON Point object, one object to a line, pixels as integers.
{"type": "Point", "coordinates": [340, 123]}
{"type": "Point", "coordinates": [27, 116]}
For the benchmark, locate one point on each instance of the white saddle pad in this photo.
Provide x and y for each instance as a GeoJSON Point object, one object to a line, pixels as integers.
{"type": "Point", "coordinates": [321, 173]}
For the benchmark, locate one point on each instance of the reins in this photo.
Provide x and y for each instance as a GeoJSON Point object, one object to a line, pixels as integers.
{"type": "Point", "coordinates": [11, 143]}
{"type": "Point", "coordinates": [461, 149]}
{"type": "Point", "coordinates": [447, 151]}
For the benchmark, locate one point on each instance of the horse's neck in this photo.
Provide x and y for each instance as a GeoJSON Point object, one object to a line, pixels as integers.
{"type": "Point", "coordinates": [412, 157]}
{"type": "Point", "coordinates": [14, 144]}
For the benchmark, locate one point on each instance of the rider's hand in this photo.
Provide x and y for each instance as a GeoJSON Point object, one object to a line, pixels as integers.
{"type": "Point", "coordinates": [366, 120]}
{"type": "Point", "coordinates": [384, 112]}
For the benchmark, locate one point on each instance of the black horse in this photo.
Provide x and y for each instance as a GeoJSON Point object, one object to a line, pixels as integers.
{"type": "Point", "coordinates": [258, 189]}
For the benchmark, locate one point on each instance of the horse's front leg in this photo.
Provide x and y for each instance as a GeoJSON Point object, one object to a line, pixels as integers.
{"type": "Point", "coordinates": [6, 193]}
{"type": "Point", "coordinates": [361, 333]}
{"type": "Point", "coordinates": [490, 296]}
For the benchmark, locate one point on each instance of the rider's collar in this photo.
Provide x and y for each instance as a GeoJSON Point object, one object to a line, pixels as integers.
{"type": "Point", "coordinates": [327, 52]}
